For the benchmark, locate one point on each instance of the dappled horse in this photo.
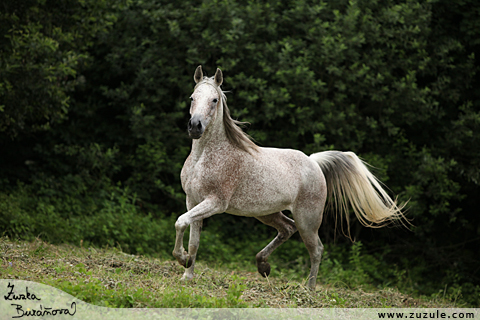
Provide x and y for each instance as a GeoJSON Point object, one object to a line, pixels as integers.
{"type": "Point", "coordinates": [227, 172]}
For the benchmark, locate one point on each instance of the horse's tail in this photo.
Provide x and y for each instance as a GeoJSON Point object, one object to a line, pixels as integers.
{"type": "Point", "coordinates": [349, 180]}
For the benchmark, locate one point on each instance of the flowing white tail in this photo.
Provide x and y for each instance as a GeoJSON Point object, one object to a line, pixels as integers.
{"type": "Point", "coordinates": [349, 180]}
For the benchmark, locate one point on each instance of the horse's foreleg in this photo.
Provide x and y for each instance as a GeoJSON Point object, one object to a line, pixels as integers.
{"type": "Point", "coordinates": [193, 244]}
{"type": "Point", "coordinates": [204, 209]}
{"type": "Point", "coordinates": [286, 227]}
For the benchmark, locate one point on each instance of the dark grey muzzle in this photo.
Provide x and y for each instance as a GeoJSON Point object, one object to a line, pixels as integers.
{"type": "Point", "coordinates": [195, 127]}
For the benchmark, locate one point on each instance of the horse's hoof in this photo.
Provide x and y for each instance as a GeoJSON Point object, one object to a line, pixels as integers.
{"type": "Point", "coordinates": [264, 269]}
{"type": "Point", "coordinates": [187, 276]}
{"type": "Point", "coordinates": [184, 260]}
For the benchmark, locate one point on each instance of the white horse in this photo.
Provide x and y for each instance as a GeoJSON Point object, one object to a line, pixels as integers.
{"type": "Point", "coordinates": [227, 172]}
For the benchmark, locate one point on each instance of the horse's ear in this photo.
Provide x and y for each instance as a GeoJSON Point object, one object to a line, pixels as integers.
{"type": "Point", "coordinates": [218, 77]}
{"type": "Point", "coordinates": [198, 74]}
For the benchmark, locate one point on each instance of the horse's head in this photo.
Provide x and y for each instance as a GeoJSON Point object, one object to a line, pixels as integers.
{"type": "Point", "coordinates": [205, 100]}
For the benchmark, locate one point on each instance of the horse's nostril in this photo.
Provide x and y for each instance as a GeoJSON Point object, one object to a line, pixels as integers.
{"type": "Point", "coordinates": [195, 125]}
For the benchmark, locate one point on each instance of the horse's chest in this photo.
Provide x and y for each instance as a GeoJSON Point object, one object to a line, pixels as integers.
{"type": "Point", "coordinates": [203, 177]}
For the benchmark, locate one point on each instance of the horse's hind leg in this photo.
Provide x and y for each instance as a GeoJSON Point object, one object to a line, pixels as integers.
{"type": "Point", "coordinates": [286, 227]}
{"type": "Point", "coordinates": [308, 223]}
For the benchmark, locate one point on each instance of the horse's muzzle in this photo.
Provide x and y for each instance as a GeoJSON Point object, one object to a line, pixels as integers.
{"type": "Point", "coordinates": [195, 128]}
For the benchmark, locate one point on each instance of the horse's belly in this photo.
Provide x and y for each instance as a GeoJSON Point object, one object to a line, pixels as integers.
{"type": "Point", "coordinates": [258, 211]}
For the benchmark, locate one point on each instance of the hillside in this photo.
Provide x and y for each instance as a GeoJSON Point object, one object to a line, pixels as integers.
{"type": "Point", "coordinates": [108, 277]}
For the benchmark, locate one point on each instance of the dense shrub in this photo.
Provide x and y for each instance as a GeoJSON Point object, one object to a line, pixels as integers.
{"type": "Point", "coordinates": [105, 87]}
{"type": "Point", "coordinates": [86, 219]}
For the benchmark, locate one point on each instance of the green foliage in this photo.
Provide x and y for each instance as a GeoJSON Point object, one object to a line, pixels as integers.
{"type": "Point", "coordinates": [114, 221]}
{"type": "Point", "coordinates": [13, 219]}
{"type": "Point", "coordinates": [94, 292]}
{"type": "Point", "coordinates": [104, 85]}
{"type": "Point", "coordinates": [44, 45]}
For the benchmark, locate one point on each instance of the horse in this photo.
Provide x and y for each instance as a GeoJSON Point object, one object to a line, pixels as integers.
{"type": "Point", "coordinates": [226, 172]}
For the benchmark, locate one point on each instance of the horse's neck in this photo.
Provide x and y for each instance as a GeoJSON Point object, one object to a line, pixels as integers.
{"type": "Point", "coordinates": [213, 141]}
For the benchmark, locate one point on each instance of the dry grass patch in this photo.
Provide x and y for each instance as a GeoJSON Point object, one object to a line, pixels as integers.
{"type": "Point", "coordinates": [109, 277]}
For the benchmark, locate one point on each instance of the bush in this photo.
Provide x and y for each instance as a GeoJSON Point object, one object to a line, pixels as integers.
{"type": "Point", "coordinates": [107, 90]}
{"type": "Point", "coordinates": [115, 221]}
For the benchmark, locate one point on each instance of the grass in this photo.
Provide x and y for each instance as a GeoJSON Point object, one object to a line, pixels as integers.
{"type": "Point", "coordinates": [111, 278]}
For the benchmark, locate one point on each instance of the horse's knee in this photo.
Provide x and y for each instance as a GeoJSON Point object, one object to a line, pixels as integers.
{"type": "Point", "coordinates": [182, 223]}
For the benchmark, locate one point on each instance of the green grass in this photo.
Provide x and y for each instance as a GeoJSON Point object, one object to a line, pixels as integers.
{"type": "Point", "coordinates": [111, 278]}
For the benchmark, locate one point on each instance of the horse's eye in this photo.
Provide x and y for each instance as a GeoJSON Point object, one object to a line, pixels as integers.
{"type": "Point", "coordinates": [215, 100]}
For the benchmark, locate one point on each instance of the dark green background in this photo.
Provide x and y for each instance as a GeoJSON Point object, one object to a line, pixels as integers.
{"type": "Point", "coordinates": [94, 106]}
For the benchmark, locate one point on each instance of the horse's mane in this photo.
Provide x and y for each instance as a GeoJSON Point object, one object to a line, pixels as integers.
{"type": "Point", "coordinates": [233, 128]}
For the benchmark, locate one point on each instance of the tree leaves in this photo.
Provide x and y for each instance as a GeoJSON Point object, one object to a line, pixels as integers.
{"type": "Point", "coordinates": [394, 82]}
